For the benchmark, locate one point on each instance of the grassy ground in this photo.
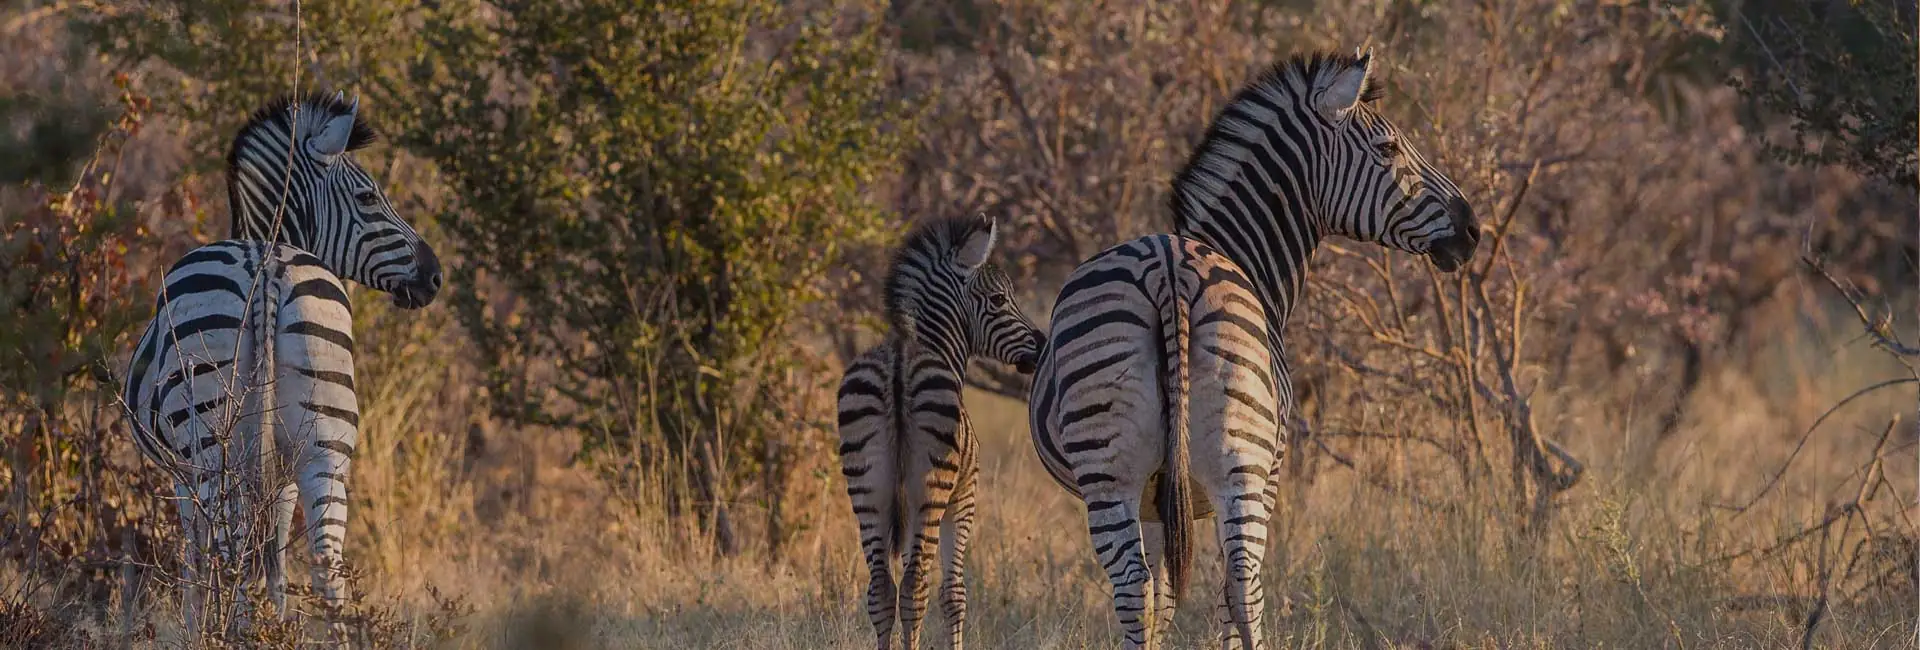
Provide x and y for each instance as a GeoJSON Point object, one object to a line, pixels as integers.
{"type": "Point", "coordinates": [1631, 560]}
{"type": "Point", "coordinates": [546, 556]}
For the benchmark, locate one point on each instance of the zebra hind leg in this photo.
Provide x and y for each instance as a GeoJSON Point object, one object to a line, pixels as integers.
{"type": "Point", "coordinates": [874, 506]}
{"type": "Point", "coordinates": [1113, 523]}
{"type": "Point", "coordinates": [923, 526]}
{"type": "Point", "coordinates": [955, 532]}
{"type": "Point", "coordinates": [323, 487]}
{"type": "Point", "coordinates": [1243, 533]}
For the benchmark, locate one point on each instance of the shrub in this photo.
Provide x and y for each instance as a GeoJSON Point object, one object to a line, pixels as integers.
{"type": "Point", "coordinates": [647, 195]}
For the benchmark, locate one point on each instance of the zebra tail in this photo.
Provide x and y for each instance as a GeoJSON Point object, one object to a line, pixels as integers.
{"type": "Point", "coordinates": [897, 520]}
{"type": "Point", "coordinates": [1175, 498]}
{"type": "Point", "coordinates": [899, 412]}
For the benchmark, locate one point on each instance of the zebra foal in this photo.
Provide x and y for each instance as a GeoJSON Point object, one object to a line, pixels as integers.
{"type": "Point", "coordinates": [242, 385]}
{"type": "Point", "coordinates": [907, 448]}
{"type": "Point", "coordinates": [1160, 394]}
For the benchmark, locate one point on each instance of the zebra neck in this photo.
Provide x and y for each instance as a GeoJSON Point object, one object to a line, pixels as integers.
{"type": "Point", "coordinates": [950, 348]}
{"type": "Point", "coordinates": [1274, 254]}
{"type": "Point", "coordinates": [264, 203]}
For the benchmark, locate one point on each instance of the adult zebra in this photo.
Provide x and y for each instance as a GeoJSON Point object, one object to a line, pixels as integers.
{"type": "Point", "coordinates": [1163, 373]}
{"type": "Point", "coordinates": [245, 373]}
{"type": "Point", "coordinates": [906, 446]}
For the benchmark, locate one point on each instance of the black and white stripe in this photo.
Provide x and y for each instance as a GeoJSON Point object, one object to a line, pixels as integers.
{"type": "Point", "coordinates": [1160, 396]}
{"type": "Point", "coordinates": [907, 448]}
{"type": "Point", "coordinates": [243, 384]}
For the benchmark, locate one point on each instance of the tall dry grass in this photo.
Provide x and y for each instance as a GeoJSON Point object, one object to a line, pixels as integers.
{"type": "Point", "coordinates": [548, 553]}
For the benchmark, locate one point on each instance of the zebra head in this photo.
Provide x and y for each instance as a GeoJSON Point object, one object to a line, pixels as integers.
{"type": "Point", "coordinates": [941, 291]}
{"type": "Point", "coordinates": [1371, 184]}
{"type": "Point", "coordinates": [998, 327]}
{"type": "Point", "coordinates": [292, 179]}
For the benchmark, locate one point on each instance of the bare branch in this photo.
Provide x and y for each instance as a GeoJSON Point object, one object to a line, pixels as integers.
{"type": "Point", "coordinates": [1775, 480]}
{"type": "Point", "coordinates": [1879, 329]}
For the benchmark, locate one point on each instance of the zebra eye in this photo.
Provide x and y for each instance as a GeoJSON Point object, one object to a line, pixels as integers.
{"type": "Point", "coordinates": [367, 198]}
{"type": "Point", "coordinates": [998, 300]}
{"type": "Point", "coordinates": [1387, 148]}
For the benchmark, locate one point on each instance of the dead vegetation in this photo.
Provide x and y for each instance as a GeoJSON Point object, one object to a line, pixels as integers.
{"type": "Point", "coordinates": [1673, 406]}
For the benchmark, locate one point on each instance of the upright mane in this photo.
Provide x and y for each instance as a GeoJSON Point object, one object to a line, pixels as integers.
{"type": "Point", "coordinates": [277, 115]}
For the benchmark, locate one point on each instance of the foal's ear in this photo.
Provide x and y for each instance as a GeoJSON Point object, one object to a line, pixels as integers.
{"type": "Point", "coordinates": [977, 245]}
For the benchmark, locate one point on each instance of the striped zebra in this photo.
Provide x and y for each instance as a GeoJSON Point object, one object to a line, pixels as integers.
{"type": "Point", "coordinates": [906, 446]}
{"type": "Point", "coordinates": [1160, 396]}
{"type": "Point", "coordinates": [242, 386]}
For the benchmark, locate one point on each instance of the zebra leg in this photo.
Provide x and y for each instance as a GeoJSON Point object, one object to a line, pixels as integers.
{"type": "Point", "coordinates": [875, 494]}
{"type": "Point", "coordinates": [1223, 610]}
{"type": "Point", "coordinates": [954, 535]}
{"type": "Point", "coordinates": [276, 558]}
{"type": "Point", "coordinates": [1160, 589]}
{"type": "Point", "coordinates": [195, 542]}
{"type": "Point", "coordinates": [923, 517]}
{"type": "Point", "coordinates": [1113, 522]}
{"type": "Point", "coordinates": [1160, 598]}
{"type": "Point", "coordinates": [880, 589]}
{"type": "Point", "coordinates": [1243, 544]}
{"type": "Point", "coordinates": [915, 564]}
{"type": "Point", "coordinates": [323, 484]}
{"type": "Point", "coordinates": [1230, 637]}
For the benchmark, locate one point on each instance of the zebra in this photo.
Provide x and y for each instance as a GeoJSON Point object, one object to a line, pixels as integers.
{"type": "Point", "coordinates": [1160, 394]}
{"type": "Point", "coordinates": [907, 448]}
{"type": "Point", "coordinates": [245, 374]}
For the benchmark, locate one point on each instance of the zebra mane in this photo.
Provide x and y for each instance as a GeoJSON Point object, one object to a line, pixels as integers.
{"type": "Point", "coordinates": [278, 115]}
{"type": "Point", "coordinates": [932, 243]}
{"type": "Point", "coordinates": [1275, 88]}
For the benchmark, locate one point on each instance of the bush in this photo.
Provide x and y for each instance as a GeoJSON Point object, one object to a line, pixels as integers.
{"type": "Point", "coordinates": [647, 195]}
{"type": "Point", "coordinates": [1841, 73]}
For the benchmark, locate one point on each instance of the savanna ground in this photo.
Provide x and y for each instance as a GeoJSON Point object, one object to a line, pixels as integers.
{"type": "Point", "coordinates": [1646, 418]}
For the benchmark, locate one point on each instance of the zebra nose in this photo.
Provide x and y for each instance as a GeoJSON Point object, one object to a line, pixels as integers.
{"type": "Point", "coordinates": [433, 281]}
{"type": "Point", "coordinates": [1463, 218]}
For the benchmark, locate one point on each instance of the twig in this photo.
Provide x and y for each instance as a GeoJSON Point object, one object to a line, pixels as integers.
{"type": "Point", "coordinates": [1775, 480]}
{"type": "Point", "coordinates": [1877, 328]}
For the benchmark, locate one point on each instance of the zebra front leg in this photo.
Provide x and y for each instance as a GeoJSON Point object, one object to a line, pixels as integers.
{"type": "Point", "coordinates": [1113, 523]}
{"type": "Point", "coordinates": [955, 532]}
{"type": "Point", "coordinates": [1160, 598]}
{"type": "Point", "coordinates": [276, 558]}
{"type": "Point", "coordinates": [195, 542]}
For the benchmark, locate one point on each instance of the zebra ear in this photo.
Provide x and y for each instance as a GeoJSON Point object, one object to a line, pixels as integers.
{"type": "Point", "coordinates": [977, 246]}
{"type": "Point", "coordinates": [1340, 89]}
{"type": "Point", "coordinates": [331, 141]}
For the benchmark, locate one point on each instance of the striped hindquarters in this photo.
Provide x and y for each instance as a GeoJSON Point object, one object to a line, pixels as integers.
{"type": "Point", "coordinates": [181, 381]}
{"type": "Point", "coordinates": [1107, 420]}
{"type": "Point", "coordinates": [1103, 359]}
{"type": "Point", "coordinates": [868, 449]}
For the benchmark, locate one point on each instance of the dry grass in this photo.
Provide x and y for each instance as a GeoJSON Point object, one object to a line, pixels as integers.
{"type": "Point", "coordinates": [551, 558]}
